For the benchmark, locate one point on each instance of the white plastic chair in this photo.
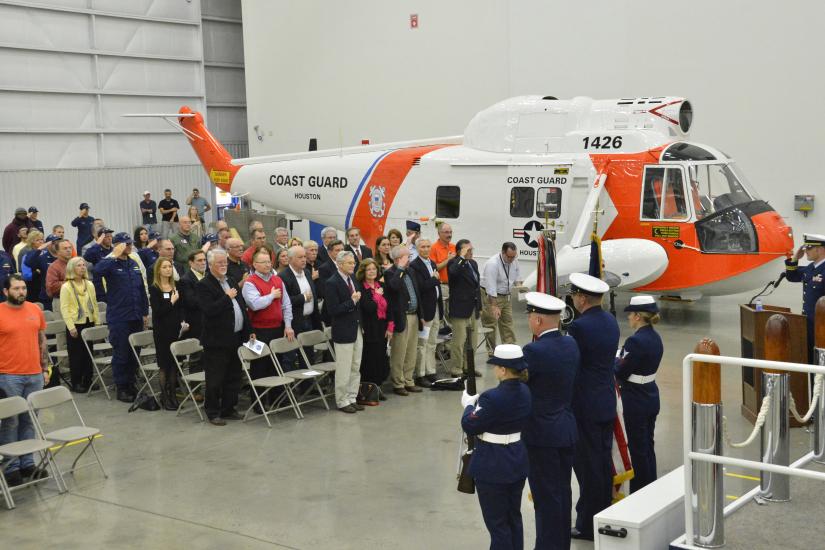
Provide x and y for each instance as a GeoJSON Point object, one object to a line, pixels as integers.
{"type": "Point", "coordinates": [14, 406]}
{"type": "Point", "coordinates": [53, 397]}
{"type": "Point", "coordinates": [181, 353]}
{"type": "Point", "coordinates": [269, 383]}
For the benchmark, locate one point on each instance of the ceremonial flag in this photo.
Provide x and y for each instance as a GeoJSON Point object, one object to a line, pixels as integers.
{"type": "Point", "coordinates": [622, 467]}
{"type": "Point", "coordinates": [546, 276]}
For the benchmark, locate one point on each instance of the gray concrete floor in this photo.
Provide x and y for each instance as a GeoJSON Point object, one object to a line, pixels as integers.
{"type": "Point", "coordinates": [384, 477]}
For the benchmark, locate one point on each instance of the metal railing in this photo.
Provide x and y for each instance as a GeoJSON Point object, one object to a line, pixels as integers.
{"type": "Point", "coordinates": [690, 456]}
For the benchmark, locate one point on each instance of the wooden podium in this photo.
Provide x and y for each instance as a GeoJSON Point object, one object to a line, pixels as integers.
{"type": "Point", "coordinates": [752, 328]}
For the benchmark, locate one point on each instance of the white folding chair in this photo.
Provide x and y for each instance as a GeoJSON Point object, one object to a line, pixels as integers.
{"type": "Point", "coordinates": [49, 315]}
{"type": "Point", "coordinates": [142, 344]}
{"type": "Point", "coordinates": [101, 307]}
{"type": "Point", "coordinates": [182, 352]}
{"type": "Point", "coordinates": [269, 383]}
{"type": "Point", "coordinates": [282, 345]}
{"type": "Point", "coordinates": [101, 358]}
{"type": "Point", "coordinates": [4, 488]}
{"type": "Point", "coordinates": [52, 397]}
{"type": "Point", "coordinates": [482, 333]}
{"type": "Point", "coordinates": [55, 309]}
{"type": "Point", "coordinates": [56, 339]}
{"type": "Point", "coordinates": [12, 407]}
{"type": "Point", "coordinates": [441, 351]}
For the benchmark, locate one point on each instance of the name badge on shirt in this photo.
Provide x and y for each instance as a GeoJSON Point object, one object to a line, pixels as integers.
{"type": "Point", "coordinates": [166, 295]}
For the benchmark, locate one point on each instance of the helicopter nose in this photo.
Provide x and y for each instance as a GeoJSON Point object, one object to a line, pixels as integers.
{"type": "Point", "coordinates": [775, 236]}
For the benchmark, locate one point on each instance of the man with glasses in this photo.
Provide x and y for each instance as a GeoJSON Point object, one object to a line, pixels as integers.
{"type": "Point", "coordinates": [501, 273]}
{"type": "Point", "coordinates": [811, 277]}
{"type": "Point", "coordinates": [236, 268]}
{"type": "Point", "coordinates": [269, 310]}
{"type": "Point", "coordinates": [225, 327]}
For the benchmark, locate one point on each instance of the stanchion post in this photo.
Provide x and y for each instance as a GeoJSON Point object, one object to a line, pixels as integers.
{"type": "Point", "coordinates": [819, 359]}
{"type": "Point", "coordinates": [708, 496]}
{"type": "Point", "coordinates": [776, 432]}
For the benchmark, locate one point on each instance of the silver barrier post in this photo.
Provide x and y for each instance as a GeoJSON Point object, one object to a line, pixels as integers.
{"type": "Point", "coordinates": [708, 485]}
{"type": "Point", "coordinates": [776, 432]}
{"type": "Point", "coordinates": [819, 415]}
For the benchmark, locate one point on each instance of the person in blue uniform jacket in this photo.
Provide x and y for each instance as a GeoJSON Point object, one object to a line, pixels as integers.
{"type": "Point", "coordinates": [39, 263]}
{"type": "Point", "coordinates": [94, 254]}
{"type": "Point", "coordinates": [594, 400]}
{"type": "Point", "coordinates": [127, 311]}
{"type": "Point", "coordinates": [7, 267]}
{"type": "Point", "coordinates": [83, 223]}
{"type": "Point", "coordinates": [550, 436]}
{"type": "Point", "coordinates": [636, 369]}
{"type": "Point", "coordinates": [811, 276]}
{"type": "Point", "coordinates": [499, 461]}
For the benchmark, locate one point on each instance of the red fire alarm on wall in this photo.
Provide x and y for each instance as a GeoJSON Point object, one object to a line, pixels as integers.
{"type": "Point", "coordinates": [414, 21]}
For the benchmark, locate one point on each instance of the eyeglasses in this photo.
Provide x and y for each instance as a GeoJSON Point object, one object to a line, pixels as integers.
{"type": "Point", "coordinates": [262, 261]}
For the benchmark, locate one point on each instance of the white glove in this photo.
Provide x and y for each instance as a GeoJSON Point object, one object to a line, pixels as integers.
{"type": "Point", "coordinates": [468, 400]}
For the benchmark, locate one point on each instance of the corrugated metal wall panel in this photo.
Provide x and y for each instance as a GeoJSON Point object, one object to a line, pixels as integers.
{"type": "Point", "coordinates": [112, 193]}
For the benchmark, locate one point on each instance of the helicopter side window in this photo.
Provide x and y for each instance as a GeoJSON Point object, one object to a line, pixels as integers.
{"type": "Point", "coordinates": [521, 202]}
{"type": "Point", "coordinates": [674, 206]}
{"type": "Point", "coordinates": [447, 201]}
{"type": "Point", "coordinates": [652, 192]}
{"type": "Point", "coordinates": [549, 200]}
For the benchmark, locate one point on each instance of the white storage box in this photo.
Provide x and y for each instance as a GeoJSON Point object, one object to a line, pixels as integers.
{"type": "Point", "coordinates": [646, 520]}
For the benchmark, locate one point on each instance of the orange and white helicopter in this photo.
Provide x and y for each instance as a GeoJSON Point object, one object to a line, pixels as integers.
{"type": "Point", "coordinates": [676, 218]}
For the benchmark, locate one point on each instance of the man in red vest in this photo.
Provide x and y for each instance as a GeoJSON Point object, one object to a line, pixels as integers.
{"type": "Point", "coordinates": [269, 309]}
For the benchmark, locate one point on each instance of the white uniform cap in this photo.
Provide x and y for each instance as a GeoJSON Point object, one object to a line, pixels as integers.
{"type": "Point", "coordinates": [582, 282]}
{"type": "Point", "coordinates": [814, 239]}
{"type": "Point", "coordinates": [509, 356]}
{"type": "Point", "coordinates": [539, 302]}
{"type": "Point", "coordinates": [642, 303]}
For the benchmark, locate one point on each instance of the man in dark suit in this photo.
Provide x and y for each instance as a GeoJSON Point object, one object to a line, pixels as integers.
{"type": "Point", "coordinates": [354, 245]}
{"type": "Point", "coordinates": [465, 304]}
{"type": "Point", "coordinates": [432, 312]}
{"type": "Point", "coordinates": [326, 270]}
{"type": "Point", "coordinates": [594, 400]}
{"type": "Point", "coordinates": [550, 436]}
{"type": "Point", "coordinates": [328, 235]}
{"type": "Point", "coordinates": [404, 299]}
{"type": "Point", "coordinates": [342, 297]}
{"type": "Point", "coordinates": [301, 291]}
{"type": "Point", "coordinates": [225, 327]}
{"type": "Point", "coordinates": [192, 313]}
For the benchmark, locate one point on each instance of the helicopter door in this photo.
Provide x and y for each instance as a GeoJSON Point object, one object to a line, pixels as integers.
{"type": "Point", "coordinates": [663, 195]}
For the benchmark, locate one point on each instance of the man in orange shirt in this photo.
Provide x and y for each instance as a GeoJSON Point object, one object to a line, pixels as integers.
{"type": "Point", "coordinates": [23, 367]}
{"type": "Point", "coordinates": [441, 252]}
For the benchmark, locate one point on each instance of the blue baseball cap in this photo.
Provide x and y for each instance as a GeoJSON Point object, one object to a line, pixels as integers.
{"type": "Point", "coordinates": [122, 238]}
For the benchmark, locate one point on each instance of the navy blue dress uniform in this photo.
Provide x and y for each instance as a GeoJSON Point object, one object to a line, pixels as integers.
{"type": "Point", "coordinates": [812, 277]}
{"type": "Point", "coordinates": [84, 227]}
{"type": "Point", "coordinates": [7, 267]}
{"type": "Point", "coordinates": [39, 264]}
{"type": "Point", "coordinates": [551, 433]}
{"type": "Point", "coordinates": [594, 404]}
{"type": "Point", "coordinates": [499, 464]}
{"type": "Point", "coordinates": [93, 255]}
{"type": "Point", "coordinates": [127, 306]}
{"type": "Point", "coordinates": [636, 369]}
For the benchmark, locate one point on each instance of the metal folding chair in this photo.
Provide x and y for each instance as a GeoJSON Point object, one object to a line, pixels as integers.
{"type": "Point", "coordinates": [314, 339]}
{"type": "Point", "coordinates": [246, 356]}
{"type": "Point", "coordinates": [101, 358]}
{"type": "Point", "coordinates": [56, 313]}
{"type": "Point", "coordinates": [49, 315]}
{"type": "Point", "coordinates": [282, 345]}
{"type": "Point", "coordinates": [4, 488]}
{"type": "Point", "coordinates": [52, 397]}
{"type": "Point", "coordinates": [182, 352]}
{"type": "Point", "coordinates": [12, 407]}
{"type": "Point", "coordinates": [142, 344]}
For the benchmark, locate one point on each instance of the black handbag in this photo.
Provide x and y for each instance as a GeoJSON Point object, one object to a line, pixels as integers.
{"type": "Point", "coordinates": [146, 402]}
{"type": "Point", "coordinates": [368, 394]}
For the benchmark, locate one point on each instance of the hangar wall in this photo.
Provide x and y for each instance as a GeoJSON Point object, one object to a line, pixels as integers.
{"type": "Point", "coordinates": [72, 67]}
{"type": "Point", "coordinates": [348, 70]}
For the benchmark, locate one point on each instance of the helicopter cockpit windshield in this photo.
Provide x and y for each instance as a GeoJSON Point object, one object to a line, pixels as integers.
{"type": "Point", "coordinates": [717, 186]}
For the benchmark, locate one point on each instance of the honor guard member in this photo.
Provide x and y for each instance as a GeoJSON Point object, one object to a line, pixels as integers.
{"type": "Point", "coordinates": [811, 277]}
{"type": "Point", "coordinates": [550, 435]}
{"type": "Point", "coordinates": [499, 461]}
{"type": "Point", "coordinates": [636, 369]}
{"type": "Point", "coordinates": [594, 400]}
